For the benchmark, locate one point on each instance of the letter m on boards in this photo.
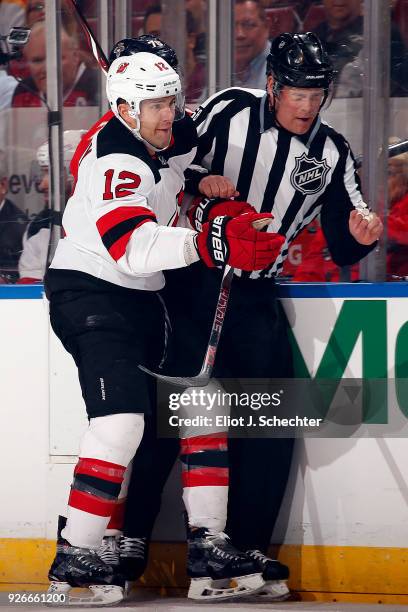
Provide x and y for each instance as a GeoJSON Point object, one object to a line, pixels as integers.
{"type": "Point", "coordinates": [365, 319]}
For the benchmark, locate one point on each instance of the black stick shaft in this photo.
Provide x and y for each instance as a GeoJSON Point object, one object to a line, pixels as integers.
{"type": "Point", "coordinates": [97, 50]}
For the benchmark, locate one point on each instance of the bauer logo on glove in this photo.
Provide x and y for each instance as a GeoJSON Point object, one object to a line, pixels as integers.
{"type": "Point", "coordinates": [236, 242]}
{"type": "Point", "coordinates": [207, 209]}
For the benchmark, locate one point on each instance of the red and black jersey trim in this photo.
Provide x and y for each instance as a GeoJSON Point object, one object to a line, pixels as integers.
{"type": "Point", "coordinates": [117, 226]}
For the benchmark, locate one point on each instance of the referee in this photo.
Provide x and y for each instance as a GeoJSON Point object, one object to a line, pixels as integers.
{"type": "Point", "coordinates": [282, 158]}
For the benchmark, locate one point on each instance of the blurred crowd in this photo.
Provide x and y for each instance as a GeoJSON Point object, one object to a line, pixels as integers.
{"type": "Point", "coordinates": [23, 85]}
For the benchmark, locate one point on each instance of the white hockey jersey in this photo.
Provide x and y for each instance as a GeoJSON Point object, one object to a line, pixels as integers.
{"type": "Point", "coordinates": [119, 224]}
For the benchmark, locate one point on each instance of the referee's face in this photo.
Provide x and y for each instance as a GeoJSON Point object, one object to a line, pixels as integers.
{"type": "Point", "coordinates": [296, 108]}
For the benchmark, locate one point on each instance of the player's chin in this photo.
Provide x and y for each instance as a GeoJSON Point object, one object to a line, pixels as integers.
{"type": "Point", "coordinates": [163, 138]}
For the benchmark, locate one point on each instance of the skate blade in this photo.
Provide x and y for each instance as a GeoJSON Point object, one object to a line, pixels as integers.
{"type": "Point", "coordinates": [95, 595]}
{"type": "Point", "coordinates": [273, 590]}
{"type": "Point", "coordinates": [206, 589]}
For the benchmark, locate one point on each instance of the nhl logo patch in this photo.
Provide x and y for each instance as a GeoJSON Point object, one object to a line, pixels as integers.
{"type": "Point", "coordinates": [122, 67]}
{"type": "Point", "coordinates": [309, 174]}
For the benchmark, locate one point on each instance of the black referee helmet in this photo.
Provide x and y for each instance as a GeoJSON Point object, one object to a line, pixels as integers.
{"type": "Point", "coordinates": [299, 60]}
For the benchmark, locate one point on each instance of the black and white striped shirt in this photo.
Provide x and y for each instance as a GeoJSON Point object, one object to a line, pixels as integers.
{"type": "Point", "coordinates": [294, 177]}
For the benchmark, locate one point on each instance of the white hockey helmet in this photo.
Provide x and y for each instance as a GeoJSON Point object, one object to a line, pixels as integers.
{"type": "Point", "coordinates": [71, 139]}
{"type": "Point", "coordinates": [142, 76]}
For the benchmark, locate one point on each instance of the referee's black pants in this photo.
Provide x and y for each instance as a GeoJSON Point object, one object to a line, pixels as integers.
{"type": "Point", "coordinates": [254, 344]}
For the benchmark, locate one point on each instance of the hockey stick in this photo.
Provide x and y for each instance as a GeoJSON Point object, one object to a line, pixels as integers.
{"type": "Point", "coordinates": [393, 151]}
{"type": "Point", "coordinates": [95, 46]}
{"type": "Point", "coordinates": [203, 377]}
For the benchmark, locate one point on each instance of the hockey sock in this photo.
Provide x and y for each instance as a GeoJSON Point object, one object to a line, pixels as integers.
{"type": "Point", "coordinates": [205, 480]}
{"type": "Point", "coordinates": [106, 449]}
{"type": "Point", "coordinates": [115, 525]}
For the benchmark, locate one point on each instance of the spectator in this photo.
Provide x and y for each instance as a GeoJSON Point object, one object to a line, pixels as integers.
{"type": "Point", "coordinates": [297, 249]}
{"type": "Point", "coordinates": [7, 86]}
{"type": "Point", "coordinates": [35, 11]}
{"type": "Point", "coordinates": [33, 260]}
{"type": "Point", "coordinates": [12, 226]}
{"type": "Point", "coordinates": [152, 20]}
{"type": "Point", "coordinates": [301, 11]}
{"type": "Point", "coordinates": [11, 15]}
{"type": "Point", "coordinates": [343, 36]}
{"type": "Point", "coordinates": [80, 84]}
{"type": "Point", "coordinates": [198, 9]}
{"type": "Point", "coordinates": [317, 264]}
{"type": "Point", "coordinates": [194, 69]}
{"type": "Point", "coordinates": [397, 258]}
{"type": "Point", "coordinates": [342, 32]}
{"type": "Point", "coordinates": [251, 44]}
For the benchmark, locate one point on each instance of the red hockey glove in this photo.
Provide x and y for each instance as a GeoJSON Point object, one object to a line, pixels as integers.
{"type": "Point", "coordinates": [206, 209]}
{"type": "Point", "coordinates": [234, 241]}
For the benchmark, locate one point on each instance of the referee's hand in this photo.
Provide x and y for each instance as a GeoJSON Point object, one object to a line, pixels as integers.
{"type": "Point", "coordinates": [363, 230]}
{"type": "Point", "coordinates": [214, 186]}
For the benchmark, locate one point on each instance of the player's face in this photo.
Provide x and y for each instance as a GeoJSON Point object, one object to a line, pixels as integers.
{"type": "Point", "coordinates": [156, 120]}
{"type": "Point", "coordinates": [44, 184]}
{"type": "Point", "coordinates": [297, 108]}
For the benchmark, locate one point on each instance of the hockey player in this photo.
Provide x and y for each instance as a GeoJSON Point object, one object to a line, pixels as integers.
{"type": "Point", "coordinates": [36, 241]}
{"type": "Point", "coordinates": [129, 530]}
{"type": "Point", "coordinates": [280, 157]}
{"type": "Point", "coordinates": [103, 288]}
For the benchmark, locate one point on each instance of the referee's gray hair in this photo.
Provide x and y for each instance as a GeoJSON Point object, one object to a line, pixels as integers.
{"type": "Point", "coordinates": [3, 165]}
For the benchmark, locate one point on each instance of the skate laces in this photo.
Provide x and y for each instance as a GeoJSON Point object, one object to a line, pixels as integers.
{"type": "Point", "coordinates": [220, 543]}
{"type": "Point", "coordinates": [259, 556]}
{"type": "Point", "coordinates": [90, 560]}
{"type": "Point", "coordinates": [109, 550]}
{"type": "Point", "coordinates": [132, 547]}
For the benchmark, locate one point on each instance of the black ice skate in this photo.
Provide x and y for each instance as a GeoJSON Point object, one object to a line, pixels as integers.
{"type": "Point", "coordinates": [275, 575]}
{"type": "Point", "coordinates": [133, 557]}
{"type": "Point", "coordinates": [109, 551]}
{"type": "Point", "coordinates": [82, 567]}
{"type": "Point", "coordinates": [217, 569]}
